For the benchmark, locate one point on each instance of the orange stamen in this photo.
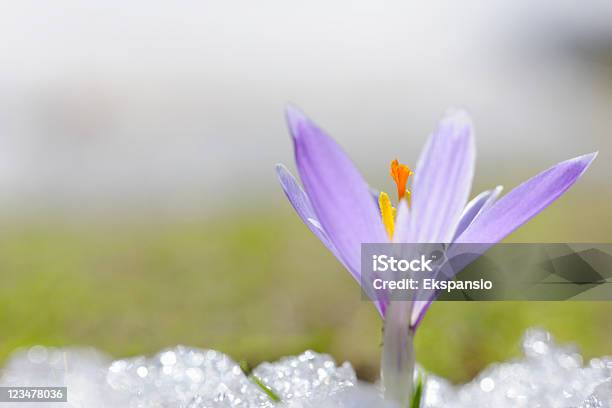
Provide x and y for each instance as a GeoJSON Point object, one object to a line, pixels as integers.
{"type": "Point", "coordinates": [400, 173]}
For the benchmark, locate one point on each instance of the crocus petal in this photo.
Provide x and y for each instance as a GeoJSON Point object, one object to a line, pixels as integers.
{"type": "Point", "coordinates": [515, 209]}
{"type": "Point", "coordinates": [525, 201]}
{"type": "Point", "coordinates": [300, 202]}
{"type": "Point", "coordinates": [402, 223]}
{"type": "Point", "coordinates": [477, 206]}
{"type": "Point", "coordinates": [442, 180]}
{"type": "Point", "coordinates": [338, 193]}
{"type": "Point", "coordinates": [473, 209]}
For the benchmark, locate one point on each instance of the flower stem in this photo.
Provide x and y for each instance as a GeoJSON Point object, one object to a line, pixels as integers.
{"type": "Point", "coordinates": [397, 362]}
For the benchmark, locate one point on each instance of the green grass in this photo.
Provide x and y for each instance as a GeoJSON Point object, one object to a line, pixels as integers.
{"type": "Point", "coordinates": [255, 285]}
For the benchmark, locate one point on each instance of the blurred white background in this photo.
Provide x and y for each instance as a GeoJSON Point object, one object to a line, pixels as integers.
{"type": "Point", "coordinates": [114, 104]}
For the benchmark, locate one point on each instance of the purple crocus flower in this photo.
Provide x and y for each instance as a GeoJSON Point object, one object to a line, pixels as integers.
{"type": "Point", "coordinates": [336, 204]}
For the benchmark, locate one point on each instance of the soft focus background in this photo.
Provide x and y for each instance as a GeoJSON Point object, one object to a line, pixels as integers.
{"type": "Point", "coordinates": [138, 203]}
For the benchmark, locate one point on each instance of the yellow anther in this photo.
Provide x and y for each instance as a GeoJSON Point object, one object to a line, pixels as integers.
{"type": "Point", "coordinates": [387, 212]}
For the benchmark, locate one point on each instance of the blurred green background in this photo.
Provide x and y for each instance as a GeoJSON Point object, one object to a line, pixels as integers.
{"type": "Point", "coordinates": [258, 286]}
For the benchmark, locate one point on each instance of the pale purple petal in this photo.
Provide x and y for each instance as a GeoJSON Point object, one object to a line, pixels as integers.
{"type": "Point", "coordinates": [402, 223]}
{"type": "Point", "coordinates": [300, 202]}
{"type": "Point", "coordinates": [515, 209]}
{"type": "Point", "coordinates": [473, 209]}
{"type": "Point", "coordinates": [477, 206]}
{"type": "Point", "coordinates": [525, 201]}
{"type": "Point", "coordinates": [442, 180]}
{"type": "Point", "coordinates": [302, 206]}
{"type": "Point", "coordinates": [338, 193]}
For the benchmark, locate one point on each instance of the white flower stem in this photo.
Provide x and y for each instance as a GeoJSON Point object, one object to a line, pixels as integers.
{"type": "Point", "coordinates": [397, 362]}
